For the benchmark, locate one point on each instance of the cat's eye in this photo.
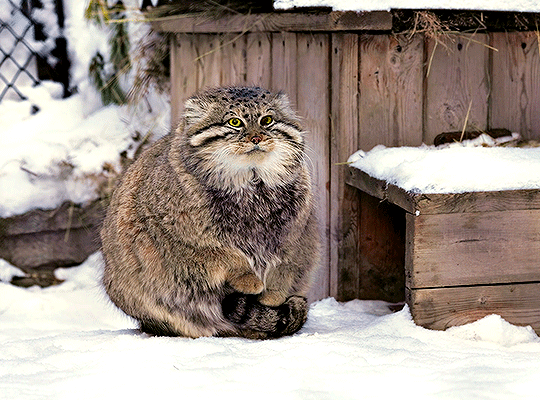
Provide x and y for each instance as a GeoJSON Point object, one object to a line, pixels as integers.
{"type": "Point", "coordinates": [266, 120]}
{"type": "Point", "coordinates": [235, 122]}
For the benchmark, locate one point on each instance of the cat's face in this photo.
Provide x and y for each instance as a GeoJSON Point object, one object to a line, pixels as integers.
{"type": "Point", "coordinates": [237, 132]}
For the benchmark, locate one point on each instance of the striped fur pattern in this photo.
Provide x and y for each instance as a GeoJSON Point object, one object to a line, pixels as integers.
{"type": "Point", "coordinates": [212, 231]}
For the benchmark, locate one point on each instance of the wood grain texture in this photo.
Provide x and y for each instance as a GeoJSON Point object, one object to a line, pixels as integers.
{"type": "Point", "coordinates": [390, 104]}
{"type": "Point", "coordinates": [259, 59]}
{"type": "Point", "coordinates": [277, 22]}
{"type": "Point", "coordinates": [344, 200]}
{"type": "Point", "coordinates": [314, 106]}
{"type": "Point", "coordinates": [183, 73]}
{"type": "Point", "coordinates": [233, 60]}
{"type": "Point", "coordinates": [366, 183]}
{"type": "Point", "coordinates": [209, 53]}
{"type": "Point", "coordinates": [284, 64]}
{"type": "Point", "coordinates": [515, 99]}
{"type": "Point", "coordinates": [472, 248]}
{"type": "Point", "coordinates": [442, 308]}
{"type": "Point", "coordinates": [477, 202]}
{"type": "Point", "coordinates": [458, 77]}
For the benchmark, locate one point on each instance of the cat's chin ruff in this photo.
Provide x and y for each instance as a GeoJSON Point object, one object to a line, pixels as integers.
{"type": "Point", "coordinates": [241, 171]}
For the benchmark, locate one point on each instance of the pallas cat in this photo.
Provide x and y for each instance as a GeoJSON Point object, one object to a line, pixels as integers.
{"type": "Point", "coordinates": [212, 230]}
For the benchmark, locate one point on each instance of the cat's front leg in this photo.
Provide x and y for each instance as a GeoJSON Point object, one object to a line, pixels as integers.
{"type": "Point", "coordinates": [273, 297]}
{"type": "Point", "coordinates": [279, 281]}
{"type": "Point", "coordinates": [245, 282]}
{"type": "Point", "coordinates": [242, 278]}
{"type": "Point", "coordinates": [294, 272]}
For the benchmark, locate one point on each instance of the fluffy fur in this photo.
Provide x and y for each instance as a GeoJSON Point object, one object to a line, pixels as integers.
{"type": "Point", "coordinates": [212, 230]}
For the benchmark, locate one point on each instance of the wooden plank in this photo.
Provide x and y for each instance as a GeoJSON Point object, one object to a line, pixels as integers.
{"type": "Point", "coordinates": [391, 90]}
{"type": "Point", "coordinates": [183, 73]}
{"type": "Point", "coordinates": [442, 308]}
{"type": "Point", "coordinates": [515, 97]}
{"type": "Point", "coordinates": [457, 77]}
{"type": "Point", "coordinates": [314, 107]}
{"type": "Point", "coordinates": [284, 64]}
{"type": "Point", "coordinates": [473, 248]}
{"type": "Point", "coordinates": [344, 200]}
{"type": "Point", "coordinates": [472, 202]}
{"type": "Point", "coordinates": [366, 183]}
{"type": "Point", "coordinates": [259, 59]}
{"type": "Point", "coordinates": [277, 22]}
{"type": "Point", "coordinates": [65, 217]}
{"type": "Point", "coordinates": [381, 189]}
{"type": "Point", "coordinates": [233, 60]}
{"type": "Point", "coordinates": [209, 52]}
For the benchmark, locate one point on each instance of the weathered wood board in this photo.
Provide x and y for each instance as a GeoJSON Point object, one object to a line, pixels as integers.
{"type": "Point", "coordinates": [344, 200]}
{"type": "Point", "coordinates": [278, 22]}
{"type": "Point", "coordinates": [444, 203]}
{"type": "Point", "coordinates": [463, 249]}
{"type": "Point", "coordinates": [441, 308]}
{"type": "Point", "coordinates": [515, 103]}
{"type": "Point", "coordinates": [457, 84]}
{"type": "Point", "coordinates": [390, 104]}
{"type": "Point", "coordinates": [42, 240]}
{"type": "Point", "coordinates": [313, 105]}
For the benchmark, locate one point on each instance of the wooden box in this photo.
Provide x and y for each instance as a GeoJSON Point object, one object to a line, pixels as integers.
{"type": "Point", "coordinates": [467, 255]}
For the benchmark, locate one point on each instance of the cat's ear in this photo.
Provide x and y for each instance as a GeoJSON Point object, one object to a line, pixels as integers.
{"type": "Point", "coordinates": [282, 99]}
{"type": "Point", "coordinates": [282, 103]}
{"type": "Point", "coordinates": [194, 108]}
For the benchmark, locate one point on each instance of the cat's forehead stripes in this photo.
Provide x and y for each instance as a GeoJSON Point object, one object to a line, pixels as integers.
{"type": "Point", "coordinates": [239, 97]}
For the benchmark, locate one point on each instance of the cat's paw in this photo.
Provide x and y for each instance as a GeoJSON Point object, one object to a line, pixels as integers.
{"type": "Point", "coordinates": [235, 306]}
{"type": "Point", "coordinates": [247, 283]}
{"type": "Point", "coordinates": [272, 298]}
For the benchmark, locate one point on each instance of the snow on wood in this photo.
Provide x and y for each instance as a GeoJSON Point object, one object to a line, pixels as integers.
{"type": "Point", "coordinates": [372, 5]}
{"type": "Point", "coordinates": [453, 169]}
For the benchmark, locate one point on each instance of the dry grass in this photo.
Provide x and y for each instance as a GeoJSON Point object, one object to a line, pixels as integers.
{"type": "Point", "coordinates": [442, 34]}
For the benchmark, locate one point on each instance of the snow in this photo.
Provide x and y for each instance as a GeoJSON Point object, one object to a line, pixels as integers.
{"type": "Point", "coordinates": [55, 150]}
{"type": "Point", "coordinates": [68, 341]}
{"type": "Point", "coordinates": [386, 5]}
{"type": "Point", "coordinates": [68, 150]}
{"type": "Point", "coordinates": [457, 168]}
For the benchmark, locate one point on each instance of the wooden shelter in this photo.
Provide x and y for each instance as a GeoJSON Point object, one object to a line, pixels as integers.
{"type": "Point", "coordinates": [357, 85]}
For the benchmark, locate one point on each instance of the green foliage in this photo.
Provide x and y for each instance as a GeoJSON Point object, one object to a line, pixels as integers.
{"type": "Point", "coordinates": [97, 12]}
{"type": "Point", "coordinates": [119, 40]}
{"type": "Point", "coordinates": [108, 83]}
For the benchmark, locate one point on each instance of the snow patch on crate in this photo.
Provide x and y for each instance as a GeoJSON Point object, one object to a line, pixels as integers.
{"type": "Point", "coordinates": [454, 169]}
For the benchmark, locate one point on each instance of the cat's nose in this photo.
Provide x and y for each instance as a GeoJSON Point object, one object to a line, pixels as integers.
{"type": "Point", "coordinates": [256, 139]}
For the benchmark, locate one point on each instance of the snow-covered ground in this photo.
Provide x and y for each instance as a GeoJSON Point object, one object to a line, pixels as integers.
{"type": "Point", "coordinates": [54, 149]}
{"type": "Point", "coordinates": [68, 342]}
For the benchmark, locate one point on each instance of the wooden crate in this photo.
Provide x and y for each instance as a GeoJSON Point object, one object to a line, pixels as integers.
{"type": "Point", "coordinates": [467, 255]}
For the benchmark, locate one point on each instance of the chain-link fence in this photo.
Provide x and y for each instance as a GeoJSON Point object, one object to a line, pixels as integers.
{"type": "Point", "coordinates": [32, 47]}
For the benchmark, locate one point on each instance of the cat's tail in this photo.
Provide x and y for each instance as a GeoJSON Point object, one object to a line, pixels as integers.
{"type": "Point", "coordinates": [256, 320]}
